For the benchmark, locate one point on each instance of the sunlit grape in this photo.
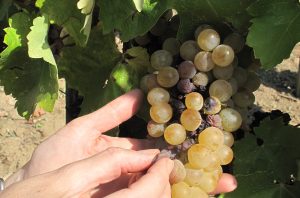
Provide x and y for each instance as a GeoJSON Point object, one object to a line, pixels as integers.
{"type": "Point", "coordinates": [225, 154]}
{"type": "Point", "coordinates": [203, 61]}
{"type": "Point", "coordinates": [228, 138]}
{"type": "Point", "coordinates": [178, 172]}
{"type": "Point", "coordinates": [211, 137]}
{"type": "Point", "coordinates": [208, 39]}
{"type": "Point", "coordinates": [220, 89]}
{"type": "Point", "coordinates": [223, 55]}
{"type": "Point", "coordinates": [231, 119]}
{"type": "Point", "coordinates": [194, 101]}
{"type": "Point", "coordinates": [200, 29]}
{"type": "Point", "coordinates": [180, 190]}
{"type": "Point", "coordinates": [175, 134]}
{"type": "Point", "coordinates": [158, 95]}
{"type": "Point", "coordinates": [190, 119]}
{"type": "Point", "coordinates": [161, 113]}
{"type": "Point", "coordinates": [155, 129]}
{"type": "Point", "coordinates": [200, 79]}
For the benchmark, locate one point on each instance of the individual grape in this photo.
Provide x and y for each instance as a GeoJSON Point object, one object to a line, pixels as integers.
{"type": "Point", "coordinates": [208, 39]}
{"type": "Point", "coordinates": [200, 29]}
{"type": "Point", "coordinates": [235, 61]}
{"type": "Point", "coordinates": [234, 85]}
{"type": "Point", "coordinates": [185, 86]}
{"type": "Point", "coordinates": [180, 190]}
{"type": "Point", "coordinates": [220, 89]}
{"type": "Point", "coordinates": [240, 75]}
{"type": "Point", "coordinates": [200, 79]}
{"type": "Point", "coordinates": [211, 137]}
{"type": "Point", "coordinates": [161, 113]}
{"type": "Point", "coordinates": [223, 73]}
{"type": "Point", "coordinates": [186, 70]}
{"type": "Point", "coordinates": [178, 172]}
{"type": "Point", "coordinates": [214, 121]}
{"type": "Point", "coordinates": [235, 41]}
{"type": "Point", "coordinates": [194, 101]}
{"type": "Point", "coordinates": [190, 119]}
{"type": "Point", "coordinates": [160, 59]}
{"type": "Point", "coordinates": [171, 45]}
{"type": "Point", "coordinates": [212, 105]}
{"type": "Point", "coordinates": [231, 119]}
{"type": "Point", "coordinates": [167, 77]}
{"type": "Point", "coordinates": [142, 40]}
{"type": "Point", "coordinates": [155, 129]}
{"type": "Point", "coordinates": [243, 98]}
{"type": "Point", "coordinates": [158, 95]}
{"type": "Point", "coordinates": [202, 179]}
{"type": "Point", "coordinates": [225, 154]}
{"type": "Point", "coordinates": [200, 156]}
{"type": "Point", "coordinates": [203, 61]}
{"type": "Point", "coordinates": [228, 138]}
{"type": "Point", "coordinates": [253, 82]}
{"type": "Point", "coordinates": [223, 55]}
{"type": "Point", "coordinates": [210, 76]}
{"type": "Point", "coordinates": [159, 28]}
{"type": "Point", "coordinates": [175, 134]}
{"type": "Point", "coordinates": [188, 50]}
{"type": "Point", "coordinates": [243, 112]}
{"type": "Point", "coordinates": [148, 82]}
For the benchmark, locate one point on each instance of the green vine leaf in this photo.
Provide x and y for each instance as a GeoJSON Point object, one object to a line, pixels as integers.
{"type": "Point", "coordinates": [38, 46]}
{"type": "Point", "coordinates": [280, 20]}
{"type": "Point", "coordinates": [33, 82]}
{"type": "Point", "coordinates": [266, 170]}
{"type": "Point", "coordinates": [87, 69]}
{"type": "Point", "coordinates": [65, 13]}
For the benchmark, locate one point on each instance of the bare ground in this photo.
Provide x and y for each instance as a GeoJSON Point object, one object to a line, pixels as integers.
{"type": "Point", "coordinates": [18, 137]}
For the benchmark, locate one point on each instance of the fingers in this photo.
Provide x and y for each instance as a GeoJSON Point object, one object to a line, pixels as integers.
{"type": "Point", "coordinates": [104, 167]}
{"type": "Point", "coordinates": [153, 182]}
{"type": "Point", "coordinates": [112, 114]}
{"type": "Point", "coordinates": [227, 183]}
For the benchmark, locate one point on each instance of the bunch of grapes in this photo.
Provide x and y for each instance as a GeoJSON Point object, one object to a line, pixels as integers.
{"type": "Point", "coordinates": [198, 96]}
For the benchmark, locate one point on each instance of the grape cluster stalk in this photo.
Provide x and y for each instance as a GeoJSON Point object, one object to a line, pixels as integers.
{"type": "Point", "coordinates": [199, 96]}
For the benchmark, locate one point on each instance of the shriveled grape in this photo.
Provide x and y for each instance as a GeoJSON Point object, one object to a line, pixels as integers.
{"type": "Point", "coordinates": [186, 70]}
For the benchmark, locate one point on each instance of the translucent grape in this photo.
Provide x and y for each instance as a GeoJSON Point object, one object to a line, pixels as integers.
{"type": "Point", "coordinates": [180, 190]}
{"type": "Point", "coordinates": [190, 119]}
{"type": "Point", "coordinates": [142, 40]}
{"type": "Point", "coordinates": [223, 73]}
{"type": "Point", "coordinates": [223, 55]}
{"type": "Point", "coordinates": [202, 179]}
{"type": "Point", "coordinates": [160, 59]}
{"type": "Point", "coordinates": [231, 119]}
{"type": "Point", "coordinates": [196, 192]}
{"type": "Point", "coordinates": [161, 113]}
{"type": "Point", "coordinates": [200, 79]}
{"type": "Point", "coordinates": [203, 61]}
{"type": "Point", "coordinates": [159, 28]}
{"type": "Point", "coordinates": [235, 41]}
{"type": "Point", "coordinates": [211, 137]}
{"type": "Point", "coordinates": [225, 154]}
{"type": "Point", "coordinates": [148, 82]}
{"type": "Point", "coordinates": [212, 105]}
{"type": "Point", "coordinates": [220, 89]}
{"type": "Point", "coordinates": [243, 98]}
{"type": "Point", "coordinates": [167, 77]}
{"type": "Point", "coordinates": [186, 70]}
{"type": "Point", "coordinates": [188, 50]}
{"type": "Point", "coordinates": [200, 156]}
{"type": "Point", "coordinates": [200, 29]}
{"type": "Point", "coordinates": [253, 82]}
{"type": "Point", "coordinates": [171, 45]}
{"type": "Point", "coordinates": [228, 138]}
{"type": "Point", "coordinates": [185, 86]}
{"type": "Point", "coordinates": [178, 172]}
{"type": "Point", "coordinates": [234, 85]}
{"type": "Point", "coordinates": [155, 129]}
{"type": "Point", "coordinates": [208, 39]}
{"type": "Point", "coordinates": [158, 95]}
{"type": "Point", "coordinates": [175, 134]}
{"type": "Point", "coordinates": [194, 101]}
{"type": "Point", "coordinates": [240, 75]}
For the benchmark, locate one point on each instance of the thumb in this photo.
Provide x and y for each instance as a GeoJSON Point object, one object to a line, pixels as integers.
{"type": "Point", "coordinates": [104, 167]}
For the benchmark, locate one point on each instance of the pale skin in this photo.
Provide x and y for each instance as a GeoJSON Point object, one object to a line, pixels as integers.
{"type": "Point", "coordinates": [80, 161]}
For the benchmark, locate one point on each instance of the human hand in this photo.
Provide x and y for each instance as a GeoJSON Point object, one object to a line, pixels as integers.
{"type": "Point", "coordinates": [83, 138]}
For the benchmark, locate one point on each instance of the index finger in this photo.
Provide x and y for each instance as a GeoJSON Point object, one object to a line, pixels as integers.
{"type": "Point", "coordinates": [114, 113]}
{"type": "Point", "coordinates": [153, 182]}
